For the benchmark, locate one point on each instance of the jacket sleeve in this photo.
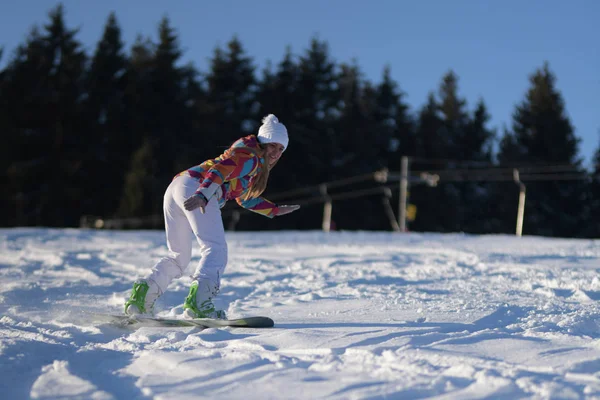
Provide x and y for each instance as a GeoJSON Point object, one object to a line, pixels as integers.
{"type": "Point", "coordinates": [238, 164]}
{"type": "Point", "coordinates": [259, 205]}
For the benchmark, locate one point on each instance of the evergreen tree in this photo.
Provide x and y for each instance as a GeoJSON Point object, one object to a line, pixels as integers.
{"type": "Point", "coordinates": [395, 125]}
{"type": "Point", "coordinates": [228, 108]}
{"type": "Point", "coordinates": [543, 135]}
{"type": "Point", "coordinates": [191, 146]}
{"type": "Point", "coordinates": [110, 144]}
{"type": "Point", "coordinates": [430, 145]}
{"type": "Point", "coordinates": [453, 123]}
{"type": "Point", "coordinates": [8, 150]}
{"type": "Point", "coordinates": [231, 94]}
{"type": "Point", "coordinates": [372, 128]}
{"type": "Point", "coordinates": [139, 89]}
{"type": "Point", "coordinates": [395, 134]}
{"type": "Point", "coordinates": [355, 146]}
{"type": "Point", "coordinates": [24, 149]}
{"type": "Point", "coordinates": [138, 110]}
{"type": "Point", "coordinates": [311, 138]}
{"type": "Point", "coordinates": [477, 143]}
{"type": "Point", "coordinates": [277, 94]}
{"type": "Point", "coordinates": [175, 91]}
{"type": "Point", "coordinates": [311, 151]}
{"type": "Point", "coordinates": [163, 114]}
{"type": "Point", "coordinates": [140, 183]}
{"type": "Point", "coordinates": [430, 142]}
{"type": "Point", "coordinates": [277, 91]}
{"type": "Point", "coordinates": [317, 100]}
{"type": "Point", "coordinates": [66, 83]}
{"type": "Point", "coordinates": [42, 95]}
{"type": "Point", "coordinates": [455, 119]}
{"type": "Point", "coordinates": [453, 138]}
{"type": "Point", "coordinates": [541, 132]}
{"type": "Point", "coordinates": [476, 199]}
{"type": "Point", "coordinates": [307, 94]}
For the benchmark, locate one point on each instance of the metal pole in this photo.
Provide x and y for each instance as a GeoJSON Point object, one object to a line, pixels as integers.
{"type": "Point", "coordinates": [235, 218]}
{"type": "Point", "coordinates": [389, 211]}
{"type": "Point", "coordinates": [326, 209]}
{"type": "Point", "coordinates": [521, 209]}
{"type": "Point", "coordinates": [403, 194]}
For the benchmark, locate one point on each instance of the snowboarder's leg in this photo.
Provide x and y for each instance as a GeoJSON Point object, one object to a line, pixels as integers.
{"type": "Point", "coordinates": [210, 233]}
{"type": "Point", "coordinates": [179, 243]}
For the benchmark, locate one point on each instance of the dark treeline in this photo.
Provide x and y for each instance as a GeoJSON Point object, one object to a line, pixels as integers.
{"type": "Point", "coordinates": [103, 134]}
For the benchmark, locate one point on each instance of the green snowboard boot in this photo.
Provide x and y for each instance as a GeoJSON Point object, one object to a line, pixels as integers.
{"type": "Point", "coordinates": [142, 299]}
{"type": "Point", "coordinates": [198, 303]}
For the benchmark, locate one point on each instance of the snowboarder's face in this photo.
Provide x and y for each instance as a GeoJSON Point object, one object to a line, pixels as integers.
{"type": "Point", "coordinates": [273, 152]}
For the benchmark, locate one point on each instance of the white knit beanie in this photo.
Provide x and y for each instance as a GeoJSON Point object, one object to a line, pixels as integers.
{"type": "Point", "coordinates": [273, 131]}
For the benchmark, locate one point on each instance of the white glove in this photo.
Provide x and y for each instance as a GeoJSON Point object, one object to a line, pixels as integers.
{"type": "Point", "coordinates": [282, 210]}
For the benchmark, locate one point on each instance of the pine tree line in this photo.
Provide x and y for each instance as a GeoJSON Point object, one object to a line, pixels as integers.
{"type": "Point", "coordinates": [104, 134]}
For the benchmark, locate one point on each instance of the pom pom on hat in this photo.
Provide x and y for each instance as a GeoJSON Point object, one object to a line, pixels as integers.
{"type": "Point", "coordinates": [273, 131]}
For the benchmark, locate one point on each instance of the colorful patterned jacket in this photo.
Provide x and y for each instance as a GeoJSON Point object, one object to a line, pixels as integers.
{"type": "Point", "coordinates": [233, 173]}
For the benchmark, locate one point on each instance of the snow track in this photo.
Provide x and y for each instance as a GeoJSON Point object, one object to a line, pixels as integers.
{"type": "Point", "coordinates": [358, 315]}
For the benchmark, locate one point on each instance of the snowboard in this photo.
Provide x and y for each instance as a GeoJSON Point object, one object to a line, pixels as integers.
{"type": "Point", "coordinates": [138, 321]}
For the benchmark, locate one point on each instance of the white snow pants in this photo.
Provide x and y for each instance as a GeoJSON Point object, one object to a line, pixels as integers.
{"type": "Point", "coordinates": [181, 227]}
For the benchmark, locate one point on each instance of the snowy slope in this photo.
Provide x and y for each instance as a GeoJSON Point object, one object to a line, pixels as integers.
{"type": "Point", "coordinates": [358, 315]}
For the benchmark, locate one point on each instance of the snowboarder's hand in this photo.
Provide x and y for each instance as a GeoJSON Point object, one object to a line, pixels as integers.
{"type": "Point", "coordinates": [282, 210]}
{"type": "Point", "coordinates": [197, 200]}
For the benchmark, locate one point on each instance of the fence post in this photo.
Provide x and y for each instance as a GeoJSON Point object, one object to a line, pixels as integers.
{"type": "Point", "coordinates": [387, 207]}
{"type": "Point", "coordinates": [235, 218]}
{"type": "Point", "coordinates": [403, 194]}
{"type": "Point", "coordinates": [521, 209]}
{"type": "Point", "coordinates": [326, 209]}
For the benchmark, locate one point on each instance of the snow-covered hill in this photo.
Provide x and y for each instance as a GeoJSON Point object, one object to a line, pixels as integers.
{"type": "Point", "coordinates": [358, 315]}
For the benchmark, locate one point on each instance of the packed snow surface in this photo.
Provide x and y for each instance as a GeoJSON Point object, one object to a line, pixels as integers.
{"type": "Point", "coordinates": [357, 316]}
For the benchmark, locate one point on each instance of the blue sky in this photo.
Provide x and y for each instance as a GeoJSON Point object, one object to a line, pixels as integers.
{"type": "Point", "coordinates": [493, 46]}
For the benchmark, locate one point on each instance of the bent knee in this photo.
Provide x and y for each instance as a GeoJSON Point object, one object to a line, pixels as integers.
{"type": "Point", "coordinates": [178, 261]}
{"type": "Point", "coordinates": [216, 252]}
